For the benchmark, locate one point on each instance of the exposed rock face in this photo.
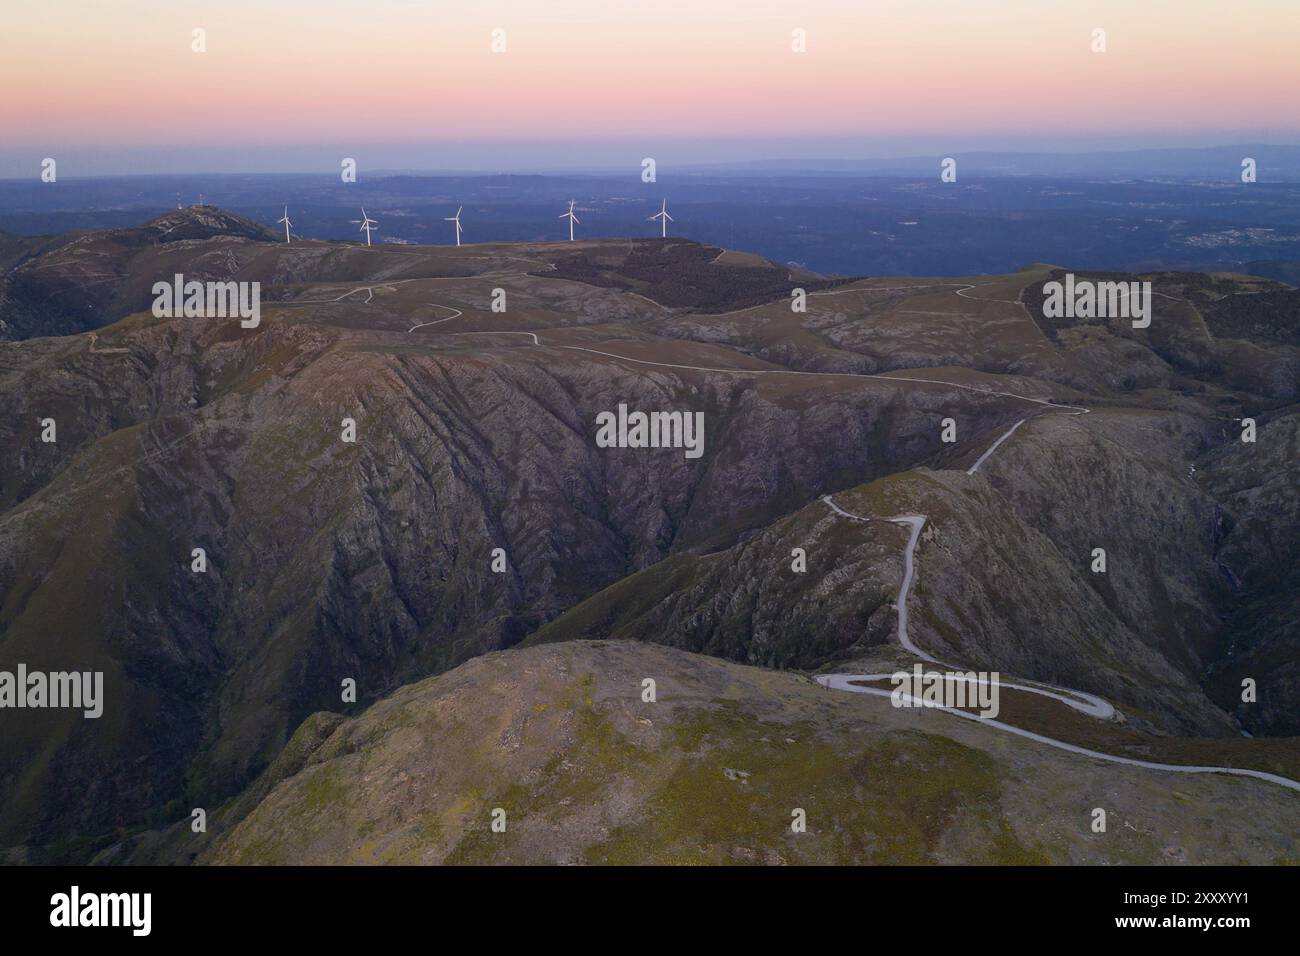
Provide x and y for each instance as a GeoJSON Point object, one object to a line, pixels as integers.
{"type": "Point", "coordinates": [373, 560]}
{"type": "Point", "coordinates": [989, 563]}
{"type": "Point", "coordinates": [1259, 558]}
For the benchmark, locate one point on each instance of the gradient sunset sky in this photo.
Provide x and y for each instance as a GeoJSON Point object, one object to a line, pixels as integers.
{"type": "Point", "coordinates": [103, 80]}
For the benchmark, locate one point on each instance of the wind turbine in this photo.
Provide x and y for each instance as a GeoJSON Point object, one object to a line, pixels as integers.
{"type": "Point", "coordinates": [367, 224]}
{"type": "Point", "coordinates": [456, 220]}
{"type": "Point", "coordinates": [286, 222]}
{"type": "Point", "coordinates": [571, 217]}
{"type": "Point", "coordinates": [664, 219]}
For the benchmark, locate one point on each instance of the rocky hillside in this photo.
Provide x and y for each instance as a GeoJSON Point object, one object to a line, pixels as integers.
{"type": "Point", "coordinates": [1260, 555]}
{"type": "Point", "coordinates": [66, 284]}
{"type": "Point", "coordinates": [998, 548]}
{"type": "Point", "coordinates": [474, 510]}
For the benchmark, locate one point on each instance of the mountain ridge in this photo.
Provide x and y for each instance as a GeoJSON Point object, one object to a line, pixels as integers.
{"type": "Point", "coordinates": [373, 560]}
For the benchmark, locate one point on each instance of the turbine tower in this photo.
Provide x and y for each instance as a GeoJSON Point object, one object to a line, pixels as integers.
{"type": "Point", "coordinates": [456, 220]}
{"type": "Point", "coordinates": [571, 217]}
{"type": "Point", "coordinates": [664, 219]}
{"type": "Point", "coordinates": [286, 222]}
{"type": "Point", "coordinates": [366, 223]}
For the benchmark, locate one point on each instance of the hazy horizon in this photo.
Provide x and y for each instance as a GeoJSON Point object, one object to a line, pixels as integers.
{"type": "Point", "coordinates": [132, 86]}
{"type": "Point", "coordinates": [481, 158]}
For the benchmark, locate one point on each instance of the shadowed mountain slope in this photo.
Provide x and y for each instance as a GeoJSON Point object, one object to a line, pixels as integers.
{"type": "Point", "coordinates": [375, 560]}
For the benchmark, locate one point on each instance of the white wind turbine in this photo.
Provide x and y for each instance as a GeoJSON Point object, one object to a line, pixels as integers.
{"type": "Point", "coordinates": [286, 222]}
{"type": "Point", "coordinates": [456, 220]}
{"type": "Point", "coordinates": [571, 217]}
{"type": "Point", "coordinates": [366, 223]}
{"type": "Point", "coordinates": [664, 219]}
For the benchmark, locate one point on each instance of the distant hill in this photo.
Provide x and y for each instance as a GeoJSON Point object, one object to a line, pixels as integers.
{"type": "Point", "coordinates": [846, 222]}
{"type": "Point", "coordinates": [80, 281]}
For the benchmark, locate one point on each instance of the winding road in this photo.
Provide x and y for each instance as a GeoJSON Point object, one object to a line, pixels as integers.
{"type": "Point", "coordinates": [436, 305]}
{"type": "Point", "coordinates": [844, 682]}
{"type": "Point", "coordinates": [994, 447]}
{"type": "Point", "coordinates": [1081, 701]}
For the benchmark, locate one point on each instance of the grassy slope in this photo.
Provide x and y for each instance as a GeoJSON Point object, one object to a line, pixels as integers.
{"type": "Point", "coordinates": [560, 739]}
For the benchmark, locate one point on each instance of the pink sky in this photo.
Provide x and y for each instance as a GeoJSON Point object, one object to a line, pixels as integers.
{"type": "Point", "coordinates": [122, 72]}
